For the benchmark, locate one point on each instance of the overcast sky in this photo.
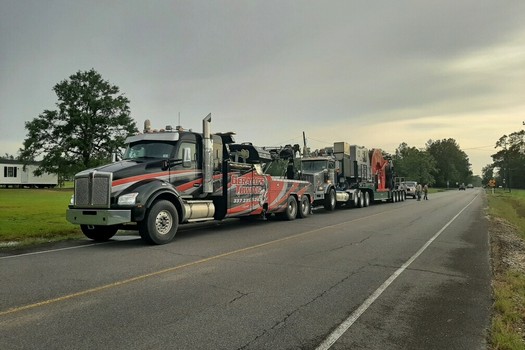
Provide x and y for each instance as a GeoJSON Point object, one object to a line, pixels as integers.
{"type": "Point", "coordinates": [372, 73]}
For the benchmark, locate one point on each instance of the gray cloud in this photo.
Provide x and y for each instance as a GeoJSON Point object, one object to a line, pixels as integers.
{"type": "Point", "coordinates": [269, 69]}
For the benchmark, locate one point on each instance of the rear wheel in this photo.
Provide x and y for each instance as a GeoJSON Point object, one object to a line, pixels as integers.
{"type": "Point", "coordinates": [357, 197]}
{"type": "Point", "coordinates": [361, 202]}
{"type": "Point", "coordinates": [304, 207]}
{"type": "Point", "coordinates": [330, 201]}
{"type": "Point", "coordinates": [99, 233]}
{"type": "Point", "coordinates": [291, 208]}
{"type": "Point", "coordinates": [160, 224]}
{"type": "Point", "coordinates": [366, 199]}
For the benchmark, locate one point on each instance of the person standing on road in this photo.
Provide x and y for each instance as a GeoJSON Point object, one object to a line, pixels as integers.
{"type": "Point", "coordinates": [425, 192]}
{"type": "Point", "coordinates": [418, 192]}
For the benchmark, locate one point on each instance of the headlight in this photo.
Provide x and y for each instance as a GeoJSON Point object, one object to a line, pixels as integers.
{"type": "Point", "coordinates": [320, 188]}
{"type": "Point", "coordinates": [72, 200]}
{"type": "Point", "coordinates": [127, 199]}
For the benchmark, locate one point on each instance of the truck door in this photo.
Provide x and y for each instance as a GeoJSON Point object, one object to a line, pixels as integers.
{"type": "Point", "coordinates": [187, 176]}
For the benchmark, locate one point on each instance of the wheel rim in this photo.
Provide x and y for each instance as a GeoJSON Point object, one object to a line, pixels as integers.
{"type": "Point", "coordinates": [292, 208]}
{"type": "Point", "coordinates": [304, 206]}
{"type": "Point", "coordinates": [332, 199]}
{"type": "Point", "coordinates": [163, 222]}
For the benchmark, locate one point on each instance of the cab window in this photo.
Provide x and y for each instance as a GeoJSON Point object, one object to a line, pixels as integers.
{"type": "Point", "coordinates": [193, 152]}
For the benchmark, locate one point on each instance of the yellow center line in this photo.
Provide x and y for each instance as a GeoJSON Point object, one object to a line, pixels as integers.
{"type": "Point", "coordinates": [174, 268]}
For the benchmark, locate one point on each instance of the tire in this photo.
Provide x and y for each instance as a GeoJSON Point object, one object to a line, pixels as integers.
{"type": "Point", "coordinates": [99, 233]}
{"type": "Point", "coordinates": [355, 202]}
{"type": "Point", "coordinates": [330, 201]}
{"type": "Point", "coordinates": [361, 203]}
{"type": "Point", "coordinates": [160, 224]}
{"type": "Point", "coordinates": [366, 199]}
{"type": "Point", "coordinates": [291, 209]}
{"type": "Point", "coordinates": [304, 207]}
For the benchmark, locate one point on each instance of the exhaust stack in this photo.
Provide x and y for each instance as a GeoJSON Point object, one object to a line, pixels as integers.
{"type": "Point", "coordinates": [207, 147]}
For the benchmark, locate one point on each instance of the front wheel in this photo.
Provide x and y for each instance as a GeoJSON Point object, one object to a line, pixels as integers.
{"type": "Point", "coordinates": [304, 207]}
{"type": "Point", "coordinates": [99, 233]}
{"type": "Point", "coordinates": [160, 224]}
{"type": "Point", "coordinates": [330, 201]}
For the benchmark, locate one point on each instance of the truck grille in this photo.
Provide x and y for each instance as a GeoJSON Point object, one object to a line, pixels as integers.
{"type": "Point", "coordinates": [93, 190]}
{"type": "Point", "coordinates": [309, 178]}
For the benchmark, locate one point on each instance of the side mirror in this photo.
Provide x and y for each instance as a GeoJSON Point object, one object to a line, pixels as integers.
{"type": "Point", "coordinates": [186, 158]}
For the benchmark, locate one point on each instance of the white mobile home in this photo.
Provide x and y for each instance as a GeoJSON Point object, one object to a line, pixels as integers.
{"type": "Point", "coordinates": [13, 174]}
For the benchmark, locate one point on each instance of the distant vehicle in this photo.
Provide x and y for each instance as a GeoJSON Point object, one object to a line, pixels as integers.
{"type": "Point", "coordinates": [470, 186]}
{"type": "Point", "coordinates": [410, 187]}
{"type": "Point", "coordinates": [462, 187]}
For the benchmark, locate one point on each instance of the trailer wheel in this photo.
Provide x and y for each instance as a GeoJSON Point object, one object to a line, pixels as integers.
{"type": "Point", "coordinates": [304, 207]}
{"type": "Point", "coordinates": [160, 224]}
{"type": "Point", "coordinates": [330, 201]}
{"type": "Point", "coordinates": [99, 233]}
{"type": "Point", "coordinates": [291, 208]}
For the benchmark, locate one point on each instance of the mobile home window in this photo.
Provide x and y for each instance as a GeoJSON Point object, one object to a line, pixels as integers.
{"type": "Point", "coordinates": [10, 171]}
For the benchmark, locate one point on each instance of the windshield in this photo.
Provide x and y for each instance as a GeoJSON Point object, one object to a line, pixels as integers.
{"type": "Point", "coordinates": [150, 150]}
{"type": "Point", "coordinates": [317, 165]}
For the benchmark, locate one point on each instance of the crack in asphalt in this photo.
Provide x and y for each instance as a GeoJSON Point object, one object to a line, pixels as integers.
{"type": "Point", "coordinates": [351, 244]}
{"type": "Point", "coordinates": [238, 297]}
{"type": "Point", "coordinates": [297, 309]}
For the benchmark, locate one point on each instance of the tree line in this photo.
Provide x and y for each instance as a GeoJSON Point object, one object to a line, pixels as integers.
{"type": "Point", "coordinates": [441, 163]}
{"type": "Point", "coordinates": [92, 120]}
{"type": "Point", "coordinates": [508, 167]}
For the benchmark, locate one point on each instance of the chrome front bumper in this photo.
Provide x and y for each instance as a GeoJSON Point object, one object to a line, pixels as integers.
{"type": "Point", "coordinates": [103, 217]}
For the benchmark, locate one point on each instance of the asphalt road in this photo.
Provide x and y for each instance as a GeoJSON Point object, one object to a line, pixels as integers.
{"type": "Point", "coordinates": [408, 275]}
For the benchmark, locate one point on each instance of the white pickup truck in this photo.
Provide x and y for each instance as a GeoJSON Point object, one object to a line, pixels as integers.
{"type": "Point", "coordinates": [410, 187]}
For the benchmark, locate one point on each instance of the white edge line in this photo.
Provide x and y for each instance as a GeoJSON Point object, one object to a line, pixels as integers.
{"type": "Point", "coordinates": [52, 250]}
{"type": "Point", "coordinates": [343, 327]}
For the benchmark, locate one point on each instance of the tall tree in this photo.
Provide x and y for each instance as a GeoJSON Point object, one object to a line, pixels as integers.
{"type": "Point", "coordinates": [487, 173]}
{"type": "Point", "coordinates": [91, 122]}
{"type": "Point", "coordinates": [452, 164]}
{"type": "Point", "coordinates": [414, 164]}
{"type": "Point", "coordinates": [511, 159]}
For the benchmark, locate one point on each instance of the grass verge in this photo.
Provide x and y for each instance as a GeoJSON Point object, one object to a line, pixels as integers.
{"type": "Point", "coordinates": [507, 212]}
{"type": "Point", "coordinates": [30, 216]}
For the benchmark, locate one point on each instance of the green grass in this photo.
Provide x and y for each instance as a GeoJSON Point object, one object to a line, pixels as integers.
{"type": "Point", "coordinates": [508, 322]}
{"type": "Point", "coordinates": [35, 215]}
{"type": "Point", "coordinates": [509, 206]}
